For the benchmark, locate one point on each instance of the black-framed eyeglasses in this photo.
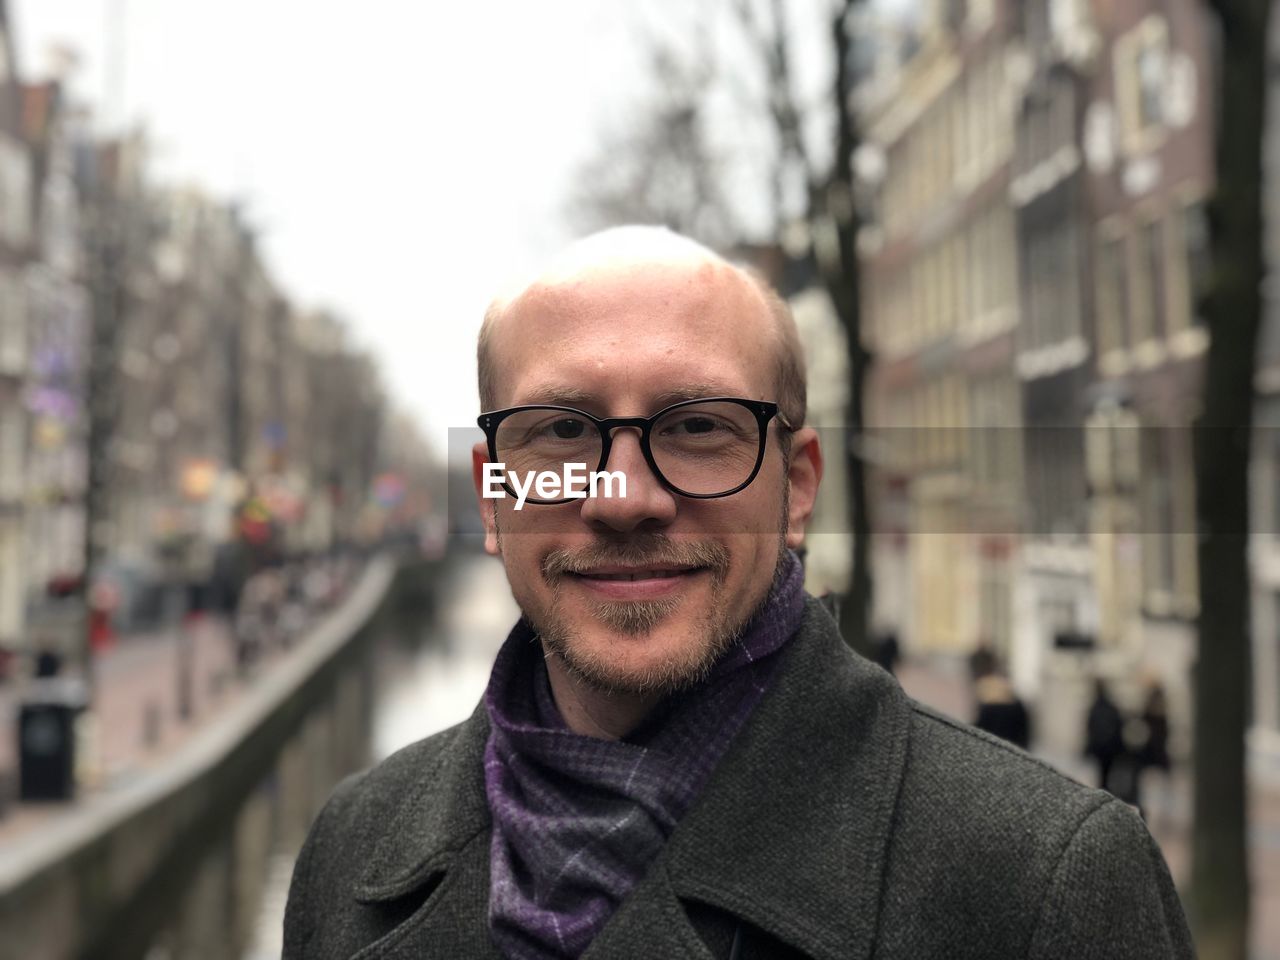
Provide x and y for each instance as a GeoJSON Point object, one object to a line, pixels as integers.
{"type": "Point", "coordinates": [703, 448]}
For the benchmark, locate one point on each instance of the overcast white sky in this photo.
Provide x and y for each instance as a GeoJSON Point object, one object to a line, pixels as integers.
{"type": "Point", "coordinates": [402, 159]}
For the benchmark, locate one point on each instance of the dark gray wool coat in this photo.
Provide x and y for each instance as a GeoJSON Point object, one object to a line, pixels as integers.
{"type": "Point", "coordinates": [846, 821]}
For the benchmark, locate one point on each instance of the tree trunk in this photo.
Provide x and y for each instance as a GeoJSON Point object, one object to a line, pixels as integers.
{"type": "Point", "coordinates": [837, 205]}
{"type": "Point", "coordinates": [1220, 878]}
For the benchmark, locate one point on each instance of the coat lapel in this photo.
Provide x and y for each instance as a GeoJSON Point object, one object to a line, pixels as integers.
{"type": "Point", "coordinates": [439, 839]}
{"type": "Point", "coordinates": [453, 921]}
{"type": "Point", "coordinates": [651, 922]}
{"type": "Point", "coordinates": [791, 834]}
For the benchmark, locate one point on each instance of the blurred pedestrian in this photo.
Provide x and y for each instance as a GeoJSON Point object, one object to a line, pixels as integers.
{"type": "Point", "coordinates": [982, 661]}
{"type": "Point", "coordinates": [1152, 737]}
{"type": "Point", "coordinates": [48, 660]}
{"type": "Point", "coordinates": [1154, 751]}
{"type": "Point", "coordinates": [227, 580]}
{"type": "Point", "coordinates": [1104, 733]}
{"type": "Point", "coordinates": [1001, 711]}
{"type": "Point", "coordinates": [887, 651]}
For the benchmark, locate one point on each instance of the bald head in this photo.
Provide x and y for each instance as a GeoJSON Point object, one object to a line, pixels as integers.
{"type": "Point", "coordinates": [635, 251]}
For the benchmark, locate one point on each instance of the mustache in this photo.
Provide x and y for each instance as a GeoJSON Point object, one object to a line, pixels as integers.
{"type": "Point", "coordinates": [645, 550]}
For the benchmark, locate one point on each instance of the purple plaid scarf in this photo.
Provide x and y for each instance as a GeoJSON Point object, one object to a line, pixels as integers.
{"type": "Point", "coordinates": [577, 820]}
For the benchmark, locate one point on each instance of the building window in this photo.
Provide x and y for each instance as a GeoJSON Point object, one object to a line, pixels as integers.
{"type": "Point", "coordinates": [1142, 78]}
{"type": "Point", "coordinates": [1069, 281]}
{"type": "Point", "coordinates": [1271, 685]}
{"type": "Point", "coordinates": [1146, 298]}
{"type": "Point", "coordinates": [12, 447]}
{"type": "Point", "coordinates": [919, 302]}
{"type": "Point", "coordinates": [15, 191]}
{"type": "Point", "coordinates": [993, 450]}
{"type": "Point", "coordinates": [1167, 509]}
{"type": "Point", "coordinates": [1062, 114]}
{"type": "Point", "coordinates": [1067, 18]}
{"type": "Point", "coordinates": [1056, 480]}
{"type": "Point", "coordinates": [993, 267]}
{"type": "Point", "coordinates": [1151, 249]}
{"type": "Point", "coordinates": [13, 325]}
{"type": "Point", "coordinates": [995, 608]}
{"type": "Point", "coordinates": [960, 265]}
{"type": "Point", "coordinates": [1053, 301]}
{"type": "Point", "coordinates": [1113, 295]}
{"type": "Point", "coordinates": [1156, 510]}
{"type": "Point", "coordinates": [1273, 508]}
{"type": "Point", "coordinates": [980, 15]}
{"type": "Point", "coordinates": [1193, 257]}
{"type": "Point", "coordinates": [1151, 76]}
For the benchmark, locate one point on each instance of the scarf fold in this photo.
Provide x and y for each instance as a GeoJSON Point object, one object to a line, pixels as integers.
{"type": "Point", "coordinates": [577, 820]}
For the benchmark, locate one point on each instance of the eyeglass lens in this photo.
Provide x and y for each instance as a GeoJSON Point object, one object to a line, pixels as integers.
{"type": "Point", "coordinates": [703, 448]}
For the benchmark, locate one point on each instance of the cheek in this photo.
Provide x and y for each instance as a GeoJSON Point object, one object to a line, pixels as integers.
{"type": "Point", "coordinates": [528, 535]}
{"type": "Point", "coordinates": [755, 513]}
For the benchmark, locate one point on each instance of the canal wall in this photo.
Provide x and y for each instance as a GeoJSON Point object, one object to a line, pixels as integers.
{"type": "Point", "coordinates": [172, 865]}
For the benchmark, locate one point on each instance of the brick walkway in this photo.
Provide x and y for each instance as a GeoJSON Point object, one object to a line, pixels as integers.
{"type": "Point", "coordinates": [137, 721]}
{"type": "Point", "coordinates": [944, 687]}
{"type": "Point", "coordinates": [140, 685]}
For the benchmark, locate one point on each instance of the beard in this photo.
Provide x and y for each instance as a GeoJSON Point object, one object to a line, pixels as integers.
{"type": "Point", "coordinates": [715, 629]}
{"type": "Point", "coordinates": [637, 618]}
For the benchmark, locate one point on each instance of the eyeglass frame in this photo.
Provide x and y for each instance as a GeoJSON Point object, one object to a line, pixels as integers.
{"type": "Point", "coordinates": [764, 410]}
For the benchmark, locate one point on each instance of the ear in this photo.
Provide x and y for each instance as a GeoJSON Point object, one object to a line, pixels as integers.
{"type": "Point", "coordinates": [488, 507]}
{"type": "Point", "coordinates": [804, 474]}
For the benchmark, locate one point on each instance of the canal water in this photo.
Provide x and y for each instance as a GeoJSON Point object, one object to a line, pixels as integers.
{"type": "Point", "coordinates": [423, 688]}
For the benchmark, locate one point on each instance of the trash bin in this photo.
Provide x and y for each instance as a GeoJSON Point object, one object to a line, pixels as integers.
{"type": "Point", "coordinates": [47, 739]}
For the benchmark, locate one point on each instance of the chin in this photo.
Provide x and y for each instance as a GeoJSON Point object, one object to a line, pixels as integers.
{"type": "Point", "coordinates": [670, 655]}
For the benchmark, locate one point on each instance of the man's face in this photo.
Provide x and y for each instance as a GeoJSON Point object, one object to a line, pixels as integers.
{"type": "Point", "coordinates": [640, 593]}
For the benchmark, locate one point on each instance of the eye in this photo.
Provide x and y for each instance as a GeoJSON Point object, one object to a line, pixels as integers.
{"type": "Point", "coordinates": [697, 424]}
{"type": "Point", "coordinates": [567, 428]}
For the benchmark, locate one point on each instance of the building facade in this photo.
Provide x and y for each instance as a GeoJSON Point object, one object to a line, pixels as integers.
{"type": "Point", "coordinates": [1032, 284]}
{"type": "Point", "coordinates": [59, 336]}
{"type": "Point", "coordinates": [16, 252]}
{"type": "Point", "coordinates": [942, 312]}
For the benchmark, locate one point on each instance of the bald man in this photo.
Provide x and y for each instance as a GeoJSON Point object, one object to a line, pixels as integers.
{"type": "Point", "coordinates": [676, 755]}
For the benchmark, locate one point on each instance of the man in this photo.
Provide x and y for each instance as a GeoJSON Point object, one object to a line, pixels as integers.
{"type": "Point", "coordinates": [676, 755]}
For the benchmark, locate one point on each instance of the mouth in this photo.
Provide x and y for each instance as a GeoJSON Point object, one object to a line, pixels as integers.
{"type": "Point", "coordinates": [635, 573]}
{"type": "Point", "coordinates": [635, 583]}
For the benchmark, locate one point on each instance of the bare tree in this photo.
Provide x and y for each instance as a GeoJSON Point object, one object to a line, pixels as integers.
{"type": "Point", "coordinates": [812, 187]}
{"type": "Point", "coordinates": [663, 168]}
{"type": "Point", "coordinates": [1220, 873]}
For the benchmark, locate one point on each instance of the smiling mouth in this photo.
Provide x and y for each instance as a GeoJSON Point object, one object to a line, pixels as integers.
{"type": "Point", "coordinates": [633, 575]}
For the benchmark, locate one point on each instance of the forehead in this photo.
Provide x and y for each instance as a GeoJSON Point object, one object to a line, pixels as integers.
{"type": "Point", "coordinates": [631, 333]}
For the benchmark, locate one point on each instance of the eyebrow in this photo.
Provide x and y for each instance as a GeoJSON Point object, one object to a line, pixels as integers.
{"type": "Point", "coordinates": [696, 391]}
{"type": "Point", "coordinates": [565, 395]}
{"type": "Point", "coordinates": [556, 394]}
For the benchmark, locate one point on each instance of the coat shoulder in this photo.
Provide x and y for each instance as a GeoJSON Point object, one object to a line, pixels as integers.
{"type": "Point", "coordinates": [986, 832]}
{"type": "Point", "coordinates": [364, 802]}
{"type": "Point", "coordinates": [970, 796]}
{"type": "Point", "coordinates": [385, 785]}
{"type": "Point", "coordinates": [962, 761]}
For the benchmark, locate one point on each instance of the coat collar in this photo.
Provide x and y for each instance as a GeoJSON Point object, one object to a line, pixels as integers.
{"type": "Point", "coordinates": [790, 834]}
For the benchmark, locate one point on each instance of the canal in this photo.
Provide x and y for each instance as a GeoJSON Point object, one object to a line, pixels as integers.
{"type": "Point", "coordinates": [425, 682]}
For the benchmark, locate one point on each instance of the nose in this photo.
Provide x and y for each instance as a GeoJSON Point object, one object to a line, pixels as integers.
{"type": "Point", "coordinates": [646, 500]}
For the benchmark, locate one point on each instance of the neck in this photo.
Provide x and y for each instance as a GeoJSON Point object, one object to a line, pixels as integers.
{"type": "Point", "coordinates": [592, 712]}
